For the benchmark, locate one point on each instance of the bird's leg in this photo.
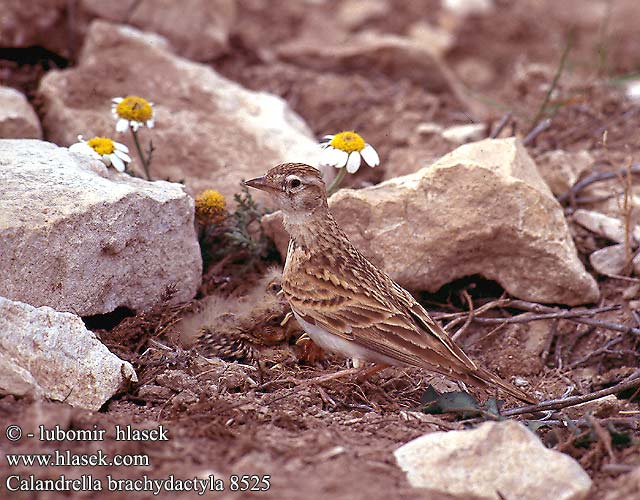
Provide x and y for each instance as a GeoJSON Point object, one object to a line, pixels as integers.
{"type": "Point", "coordinates": [334, 376]}
{"type": "Point", "coordinates": [365, 374]}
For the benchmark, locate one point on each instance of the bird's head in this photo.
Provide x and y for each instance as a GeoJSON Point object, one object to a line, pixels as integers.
{"type": "Point", "coordinates": [297, 189]}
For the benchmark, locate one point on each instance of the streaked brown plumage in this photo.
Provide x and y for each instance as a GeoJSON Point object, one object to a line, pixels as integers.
{"type": "Point", "coordinates": [345, 303]}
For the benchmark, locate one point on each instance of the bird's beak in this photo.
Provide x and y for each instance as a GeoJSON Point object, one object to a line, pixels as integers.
{"type": "Point", "coordinates": [258, 183]}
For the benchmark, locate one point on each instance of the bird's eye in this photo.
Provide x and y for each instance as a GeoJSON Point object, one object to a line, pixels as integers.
{"type": "Point", "coordinates": [275, 320]}
{"type": "Point", "coordinates": [294, 183]}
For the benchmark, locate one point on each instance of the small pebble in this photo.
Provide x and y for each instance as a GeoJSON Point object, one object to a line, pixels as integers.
{"type": "Point", "coordinates": [631, 292]}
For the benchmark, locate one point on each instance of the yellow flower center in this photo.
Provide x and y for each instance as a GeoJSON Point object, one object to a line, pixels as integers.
{"type": "Point", "coordinates": [348, 142]}
{"type": "Point", "coordinates": [102, 145]}
{"type": "Point", "coordinates": [135, 108]}
{"type": "Point", "coordinates": [210, 206]}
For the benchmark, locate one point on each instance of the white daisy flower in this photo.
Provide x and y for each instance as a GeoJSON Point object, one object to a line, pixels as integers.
{"type": "Point", "coordinates": [132, 112]}
{"type": "Point", "coordinates": [103, 149]}
{"type": "Point", "coordinates": [347, 149]}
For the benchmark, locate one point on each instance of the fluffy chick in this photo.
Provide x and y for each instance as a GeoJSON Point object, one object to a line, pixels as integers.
{"type": "Point", "coordinates": [235, 329]}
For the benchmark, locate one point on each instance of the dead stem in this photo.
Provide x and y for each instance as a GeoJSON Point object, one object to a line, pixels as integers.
{"type": "Point", "coordinates": [627, 210]}
{"type": "Point", "coordinates": [501, 125]}
{"type": "Point", "coordinates": [553, 331]}
{"type": "Point", "coordinates": [456, 336]}
{"type": "Point", "coordinates": [541, 127]}
{"type": "Point", "coordinates": [593, 178]}
{"type": "Point", "coordinates": [556, 314]}
{"type": "Point", "coordinates": [556, 404]}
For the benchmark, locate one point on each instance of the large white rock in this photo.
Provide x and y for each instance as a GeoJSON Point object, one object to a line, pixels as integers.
{"type": "Point", "coordinates": [198, 29]}
{"type": "Point", "coordinates": [370, 52]}
{"type": "Point", "coordinates": [51, 354]}
{"type": "Point", "coordinates": [18, 120]}
{"type": "Point", "coordinates": [481, 209]}
{"type": "Point", "coordinates": [210, 132]}
{"type": "Point", "coordinates": [495, 460]}
{"type": "Point", "coordinates": [36, 23]}
{"type": "Point", "coordinates": [82, 238]}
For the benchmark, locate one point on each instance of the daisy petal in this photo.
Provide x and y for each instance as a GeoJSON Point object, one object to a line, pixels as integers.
{"type": "Point", "coordinates": [370, 156]}
{"type": "Point", "coordinates": [353, 162]}
{"type": "Point", "coordinates": [117, 100]}
{"type": "Point", "coordinates": [122, 125]}
{"type": "Point", "coordinates": [117, 163]}
{"type": "Point", "coordinates": [327, 158]}
{"type": "Point", "coordinates": [150, 123]}
{"type": "Point", "coordinates": [339, 158]}
{"type": "Point", "coordinates": [122, 155]}
{"type": "Point", "coordinates": [327, 138]}
{"type": "Point", "coordinates": [121, 147]}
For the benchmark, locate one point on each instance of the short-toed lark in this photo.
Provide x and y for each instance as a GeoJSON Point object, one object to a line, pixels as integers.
{"type": "Point", "coordinates": [346, 304]}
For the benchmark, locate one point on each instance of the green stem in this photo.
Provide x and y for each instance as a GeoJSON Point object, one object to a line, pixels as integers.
{"type": "Point", "coordinates": [563, 61]}
{"type": "Point", "coordinates": [333, 187]}
{"type": "Point", "coordinates": [143, 159]}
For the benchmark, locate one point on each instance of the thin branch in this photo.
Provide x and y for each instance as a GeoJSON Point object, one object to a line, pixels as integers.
{"type": "Point", "coordinates": [541, 127]}
{"type": "Point", "coordinates": [556, 314]}
{"type": "Point", "coordinates": [460, 316]}
{"type": "Point", "coordinates": [602, 350]}
{"type": "Point", "coordinates": [556, 404]}
{"type": "Point", "coordinates": [607, 325]}
{"type": "Point", "coordinates": [596, 177]}
{"type": "Point", "coordinates": [456, 336]}
{"type": "Point", "coordinates": [501, 125]}
{"type": "Point", "coordinates": [553, 331]}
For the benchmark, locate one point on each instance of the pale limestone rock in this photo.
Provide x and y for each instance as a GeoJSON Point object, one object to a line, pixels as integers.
{"type": "Point", "coordinates": [41, 23]}
{"type": "Point", "coordinates": [561, 169]}
{"type": "Point", "coordinates": [482, 209]}
{"type": "Point", "coordinates": [82, 238]}
{"type": "Point", "coordinates": [608, 227]}
{"type": "Point", "coordinates": [354, 13]}
{"type": "Point", "coordinates": [433, 38]}
{"type": "Point", "coordinates": [495, 460]}
{"type": "Point", "coordinates": [18, 120]}
{"type": "Point", "coordinates": [51, 354]}
{"type": "Point", "coordinates": [633, 90]}
{"type": "Point", "coordinates": [198, 29]}
{"type": "Point", "coordinates": [609, 260]}
{"type": "Point", "coordinates": [631, 292]}
{"type": "Point", "coordinates": [395, 56]}
{"type": "Point", "coordinates": [210, 132]}
{"type": "Point", "coordinates": [468, 7]}
{"type": "Point", "coordinates": [461, 134]}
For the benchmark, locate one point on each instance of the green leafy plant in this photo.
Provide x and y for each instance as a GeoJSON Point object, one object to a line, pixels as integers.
{"type": "Point", "coordinates": [236, 235]}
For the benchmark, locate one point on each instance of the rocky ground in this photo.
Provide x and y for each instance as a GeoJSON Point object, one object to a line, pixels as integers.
{"type": "Point", "coordinates": [521, 238]}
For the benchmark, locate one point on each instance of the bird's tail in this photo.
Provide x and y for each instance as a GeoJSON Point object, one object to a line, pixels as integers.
{"type": "Point", "coordinates": [486, 378]}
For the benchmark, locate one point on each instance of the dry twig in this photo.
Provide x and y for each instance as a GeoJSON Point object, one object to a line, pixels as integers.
{"type": "Point", "coordinates": [456, 336]}
{"type": "Point", "coordinates": [501, 125]}
{"type": "Point", "coordinates": [556, 404]}
{"type": "Point", "coordinates": [596, 177]}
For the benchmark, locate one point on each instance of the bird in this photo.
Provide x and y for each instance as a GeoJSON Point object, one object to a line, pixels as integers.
{"type": "Point", "coordinates": [345, 303]}
{"type": "Point", "coordinates": [238, 328]}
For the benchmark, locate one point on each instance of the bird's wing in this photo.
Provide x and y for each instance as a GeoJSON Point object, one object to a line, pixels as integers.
{"type": "Point", "coordinates": [386, 321]}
